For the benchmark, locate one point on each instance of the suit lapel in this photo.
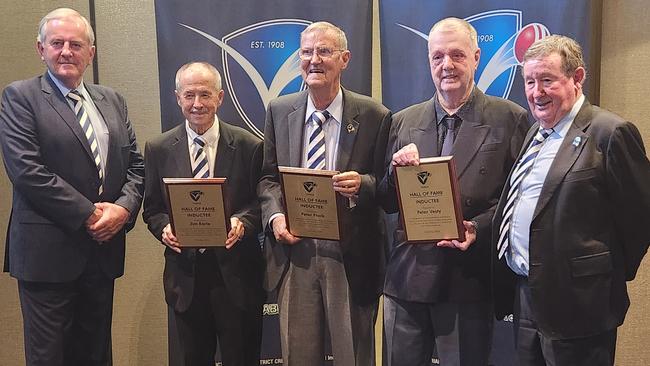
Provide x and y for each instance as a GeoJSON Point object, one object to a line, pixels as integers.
{"type": "Point", "coordinates": [566, 156]}
{"type": "Point", "coordinates": [225, 151]}
{"type": "Point", "coordinates": [181, 156]}
{"type": "Point", "coordinates": [348, 134]}
{"type": "Point", "coordinates": [425, 135]}
{"type": "Point", "coordinates": [471, 135]}
{"type": "Point", "coordinates": [53, 96]}
{"type": "Point", "coordinates": [296, 124]}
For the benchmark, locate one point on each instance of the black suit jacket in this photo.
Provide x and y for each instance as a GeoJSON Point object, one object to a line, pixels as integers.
{"type": "Point", "coordinates": [55, 181]}
{"type": "Point", "coordinates": [362, 145]}
{"type": "Point", "coordinates": [484, 150]}
{"type": "Point", "coordinates": [239, 159]}
{"type": "Point", "coordinates": [589, 230]}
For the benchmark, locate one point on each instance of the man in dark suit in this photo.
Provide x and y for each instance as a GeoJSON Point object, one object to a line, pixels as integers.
{"type": "Point", "coordinates": [321, 281]}
{"type": "Point", "coordinates": [438, 291]}
{"type": "Point", "coordinates": [572, 223]}
{"type": "Point", "coordinates": [70, 151]}
{"type": "Point", "coordinates": [216, 293]}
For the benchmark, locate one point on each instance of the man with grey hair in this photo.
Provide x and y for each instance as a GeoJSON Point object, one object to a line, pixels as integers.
{"type": "Point", "coordinates": [572, 223]}
{"type": "Point", "coordinates": [437, 292]}
{"type": "Point", "coordinates": [70, 151]}
{"type": "Point", "coordinates": [216, 293]}
{"type": "Point", "coordinates": [323, 283]}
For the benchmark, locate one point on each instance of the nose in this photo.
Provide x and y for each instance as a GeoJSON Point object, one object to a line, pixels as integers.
{"type": "Point", "coordinates": [66, 49]}
{"type": "Point", "coordinates": [196, 102]}
{"type": "Point", "coordinates": [447, 62]}
{"type": "Point", "coordinates": [315, 58]}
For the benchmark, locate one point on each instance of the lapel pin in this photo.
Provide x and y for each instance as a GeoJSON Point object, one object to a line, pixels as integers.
{"type": "Point", "coordinates": [577, 141]}
{"type": "Point", "coordinates": [350, 128]}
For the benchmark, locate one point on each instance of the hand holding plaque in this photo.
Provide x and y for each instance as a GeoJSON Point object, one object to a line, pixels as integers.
{"type": "Point", "coordinates": [198, 211]}
{"type": "Point", "coordinates": [311, 203]}
{"type": "Point", "coordinates": [429, 200]}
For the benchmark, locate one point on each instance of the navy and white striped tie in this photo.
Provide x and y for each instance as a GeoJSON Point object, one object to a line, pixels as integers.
{"type": "Point", "coordinates": [89, 132]}
{"type": "Point", "coordinates": [316, 147]}
{"type": "Point", "coordinates": [200, 166]}
{"type": "Point", "coordinates": [522, 169]}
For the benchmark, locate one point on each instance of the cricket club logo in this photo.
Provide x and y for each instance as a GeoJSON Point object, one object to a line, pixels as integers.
{"type": "Point", "coordinates": [260, 62]}
{"type": "Point", "coordinates": [196, 195]}
{"type": "Point", "coordinates": [309, 186]}
{"type": "Point", "coordinates": [503, 42]}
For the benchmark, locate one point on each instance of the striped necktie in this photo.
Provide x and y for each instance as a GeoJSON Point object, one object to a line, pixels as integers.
{"type": "Point", "coordinates": [89, 132]}
{"type": "Point", "coordinates": [316, 147]}
{"type": "Point", "coordinates": [200, 166]}
{"type": "Point", "coordinates": [522, 168]}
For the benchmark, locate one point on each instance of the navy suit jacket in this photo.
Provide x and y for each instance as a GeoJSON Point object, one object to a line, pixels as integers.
{"type": "Point", "coordinates": [484, 150]}
{"type": "Point", "coordinates": [362, 145]}
{"type": "Point", "coordinates": [55, 180]}
{"type": "Point", "coordinates": [239, 159]}
{"type": "Point", "coordinates": [589, 231]}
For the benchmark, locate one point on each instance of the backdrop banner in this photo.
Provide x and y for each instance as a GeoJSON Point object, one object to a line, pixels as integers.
{"type": "Point", "coordinates": [254, 45]}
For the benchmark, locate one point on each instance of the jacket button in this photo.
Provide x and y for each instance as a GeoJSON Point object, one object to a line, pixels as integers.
{"type": "Point", "coordinates": [483, 170]}
{"type": "Point", "coordinates": [468, 202]}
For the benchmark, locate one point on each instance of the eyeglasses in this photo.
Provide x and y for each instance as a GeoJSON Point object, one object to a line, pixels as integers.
{"type": "Point", "coordinates": [322, 52]}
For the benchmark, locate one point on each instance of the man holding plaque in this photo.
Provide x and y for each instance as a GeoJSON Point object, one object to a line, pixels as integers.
{"type": "Point", "coordinates": [321, 281]}
{"type": "Point", "coordinates": [71, 154]}
{"type": "Point", "coordinates": [216, 293]}
{"type": "Point", "coordinates": [438, 291]}
{"type": "Point", "coordinates": [572, 223]}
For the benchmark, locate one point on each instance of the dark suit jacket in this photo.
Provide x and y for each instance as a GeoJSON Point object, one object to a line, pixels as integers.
{"type": "Point", "coordinates": [239, 159]}
{"type": "Point", "coordinates": [484, 150]}
{"type": "Point", "coordinates": [589, 230]}
{"type": "Point", "coordinates": [362, 144]}
{"type": "Point", "coordinates": [55, 181]}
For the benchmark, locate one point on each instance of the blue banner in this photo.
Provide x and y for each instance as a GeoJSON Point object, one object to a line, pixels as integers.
{"type": "Point", "coordinates": [506, 28]}
{"type": "Point", "coordinates": [254, 46]}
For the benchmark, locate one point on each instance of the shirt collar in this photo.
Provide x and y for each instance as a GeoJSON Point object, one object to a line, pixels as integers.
{"type": "Point", "coordinates": [562, 127]}
{"type": "Point", "coordinates": [462, 111]}
{"type": "Point", "coordinates": [64, 89]}
{"type": "Point", "coordinates": [335, 108]}
{"type": "Point", "coordinates": [211, 136]}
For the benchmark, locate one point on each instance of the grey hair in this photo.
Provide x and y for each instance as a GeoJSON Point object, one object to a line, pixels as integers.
{"type": "Point", "coordinates": [64, 13]}
{"type": "Point", "coordinates": [341, 39]}
{"type": "Point", "coordinates": [568, 49]}
{"type": "Point", "coordinates": [457, 23]}
{"type": "Point", "coordinates": [199, 64]}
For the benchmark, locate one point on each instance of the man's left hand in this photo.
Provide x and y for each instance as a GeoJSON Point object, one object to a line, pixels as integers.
{"type": "Point", "coordinates": [236, 232]}
{"type": "Point", "coordinates": [113, 219]}
{"type": "Point", "coordinates": [470, 238]}
{"type": "Point", "coordinates": [347, 183]}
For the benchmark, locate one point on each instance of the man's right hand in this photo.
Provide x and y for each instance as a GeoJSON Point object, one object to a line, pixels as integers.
{"type": "Point", "coordinates": [169, 239]}
{"type": "Point", "coordinates": [282, 235]}
{"type": "Point", "coordinates": [408, 155]}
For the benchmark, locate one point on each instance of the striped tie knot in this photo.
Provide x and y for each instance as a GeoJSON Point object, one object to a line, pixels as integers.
{"type": "Point", "coordinates": [522, 168]}
{"type": "Point", "coordinates": [320, 117]}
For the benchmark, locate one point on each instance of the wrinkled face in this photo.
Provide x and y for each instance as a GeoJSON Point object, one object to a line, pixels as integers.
{"type": "Point", "coordinates": [198, 98]}
{"type": "Point", "coordinates": [66, 50]}
{"type": "Point", "coordinates": [453, 61]}
{"type": "Point", "coordinates": [322, 71]}
{"type": "Point", "coordinates": [550, 93]}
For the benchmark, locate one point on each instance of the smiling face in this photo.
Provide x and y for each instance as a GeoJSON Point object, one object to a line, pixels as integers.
{"type": "Point", "coordinates": [66, 50]}
{"type": "Point", "coordinates": [323, 73]}
{"type": "Point", "coordinates": [549, 91]}
{"type": "Point", "coordinates": [198, 97]}
{"type": "Point", "coordinates": [453, 61]}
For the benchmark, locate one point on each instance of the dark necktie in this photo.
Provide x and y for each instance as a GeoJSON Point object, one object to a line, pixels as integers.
{"type": "Point", "coordinates": [316, 147]}
{"type": "Point", "coordinates": [522, 169]}
{"type": "Point", "coordinates": [449, 123]}
{"type": "Point", "coordinates": [89, 132]}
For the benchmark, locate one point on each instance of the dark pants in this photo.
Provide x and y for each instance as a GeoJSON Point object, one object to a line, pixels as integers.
{"type": "Point", "coordinates": [462, 332]}
{"type": "Point", "coordinates": [213, 317]}
{"type": "Point", "coordinates": [534, 349]}
{"type": "Point", "coordinates": [68, 323]}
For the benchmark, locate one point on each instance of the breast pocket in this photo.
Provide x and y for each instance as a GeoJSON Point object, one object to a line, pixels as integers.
{"type": "Point", "coordinates": [581, 174]}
